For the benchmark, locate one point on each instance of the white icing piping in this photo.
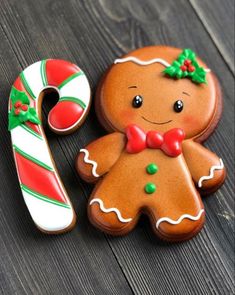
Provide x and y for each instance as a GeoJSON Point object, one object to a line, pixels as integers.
{"type": "Point", "coordinates": [184, 216]}
{"type": "Point", "coordinates": [141, 62]}
{"type": "Point", "coordinates": [115, 210]}
{"type": "Point", "coordinates": [93, 163]}
{"type": "Point", "coordinates": [147, 62]}
{"type": "Point", "coordinates": [211, 175]}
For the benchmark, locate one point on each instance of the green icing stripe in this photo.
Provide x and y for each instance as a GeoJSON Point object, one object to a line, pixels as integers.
{"type": "Point", "coordinates": [43, 72]}
{"type": "Point", "coordinates": [26, 85]}
{"type": "Point", "coordinates": [32, 158]}
{"type": "Point", "coordinates": [31, 131]}
{"type": "Point", "coordinates": [43, 198]}
{"type": "Point", "coordinates": [70, 78]}
{"type": "Point", "coordinates": [73, 99]}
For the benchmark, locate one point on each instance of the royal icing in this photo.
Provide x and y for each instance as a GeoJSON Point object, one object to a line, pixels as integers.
{"type": "Point", "coordinates": [169, 142]}
{"type": "Point", "coordinates": [88, 161]}
{"type": "Point", "coordinates": [145, 62]}
{"type": "Point", "coordinates": [42, 189]}
{"type": "Point", "coordinates": [142, 62]}
{"type": "Point", "coordinates": [109, 210]}
{"type": "Point", "coordinates": [179, 220]}
{"type": "Point", "coordinates": [184, 69]}
{"type": "Point", "coordinates": [211, 175]}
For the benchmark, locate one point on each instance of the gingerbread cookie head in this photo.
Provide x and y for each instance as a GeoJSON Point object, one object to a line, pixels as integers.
{"type": "Point", "coordinates": [159, 88]}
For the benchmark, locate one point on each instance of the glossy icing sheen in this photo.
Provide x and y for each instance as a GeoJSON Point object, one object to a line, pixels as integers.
{"type": "Point", "coordinates": [42, 189]}
{"type": "Point", "coordinates": [145, 63]}
{"type": "Point", "coordinates": [92, 163]}
{"type": "Point", "coordinates": [212, 173]}
{"type": "Point", "coordinates": [180, 219]}
{"type": "Point", "coordinates": [150, 162]}
{"type": "Point", "coordinates": [109, 210]}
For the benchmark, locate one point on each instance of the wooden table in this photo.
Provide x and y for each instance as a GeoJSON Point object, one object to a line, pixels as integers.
{"type": "Point", "coordinates": [86, 261]}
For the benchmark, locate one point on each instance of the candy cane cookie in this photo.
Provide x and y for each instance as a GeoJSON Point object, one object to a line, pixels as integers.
{"type": "Point", "coordinates": [42, 189]}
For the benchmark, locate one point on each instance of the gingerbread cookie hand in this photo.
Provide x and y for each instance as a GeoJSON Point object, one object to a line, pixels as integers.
{"type": "Point", "coordinates": [206, 168]}
{"type": "Point", "coordinates": [164, 101]}
{"type": "Point", "coordinates": [99, 156]}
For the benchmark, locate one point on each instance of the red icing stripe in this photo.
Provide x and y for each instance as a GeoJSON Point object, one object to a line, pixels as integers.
{"type": "Point", "coordinates": [57, 116]}
{"type": "Point", "coordinates": [39, 179]}
{"type": "Point", "coordinates": [19, 85]}
{"type": "Point", "coordinates": [59, 70]}
{"type": "Point", "coordinates": [34, 127]}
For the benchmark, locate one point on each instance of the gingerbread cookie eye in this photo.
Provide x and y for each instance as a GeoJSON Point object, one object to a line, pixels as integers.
{"type": "Point", "coordinates": [137, 101]}
{"type": "Point", "coordinates": [178, 106]}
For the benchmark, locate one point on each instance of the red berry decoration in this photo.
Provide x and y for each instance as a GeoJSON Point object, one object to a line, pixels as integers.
{"type": "Point", "coordinates": [18, 104]}
{"type": "Point", "coordinates": [191, 69]}
{"type": "Point", "coordinates": [24, 107]}
{"type": "Point", "coordinates": [183, 68]}
{"type": "Point", "coordinates": [187, 62]}
{"type": "Point", "coordinates": [17, 112]}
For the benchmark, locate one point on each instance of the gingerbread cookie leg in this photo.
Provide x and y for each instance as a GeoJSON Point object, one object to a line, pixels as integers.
{"type": "Point", "coordinates": [42, 189]}
{"type": "Point", "coordinates": [182, 223]}
{"type": "Point", "coordinates": [110, 212]}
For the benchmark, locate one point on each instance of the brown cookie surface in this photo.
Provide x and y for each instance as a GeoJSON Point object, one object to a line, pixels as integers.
{"type": "Point", "coordinates": [154, 101]}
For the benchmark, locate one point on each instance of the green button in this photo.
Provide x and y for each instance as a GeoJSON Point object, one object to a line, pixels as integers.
{"type": "Point", "coordinates": [152, 168]}
{"type": "Point", "coordinates": [150, 188]}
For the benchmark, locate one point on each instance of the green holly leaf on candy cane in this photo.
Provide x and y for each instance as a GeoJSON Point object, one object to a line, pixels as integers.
{"type": "Point", "coordinates": [32, 116]}
{"type": "Point", "coordinates": [17, 95]}
{"type": "Point", "coordinates": [21, 111]}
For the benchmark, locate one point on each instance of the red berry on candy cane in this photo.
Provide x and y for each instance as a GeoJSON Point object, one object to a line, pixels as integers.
{"type": "Point", "coordinates": [18, 104]}
{"type": "Point", "coordinates": [24, 107]}
{"type": "Point", "coordinates": [17, 112]}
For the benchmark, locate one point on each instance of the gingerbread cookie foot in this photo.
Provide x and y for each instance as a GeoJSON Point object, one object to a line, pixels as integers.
{"type": "Point", "coordinates": [109, 219]}
{"type": "Point", "coordinates": [183, 228]}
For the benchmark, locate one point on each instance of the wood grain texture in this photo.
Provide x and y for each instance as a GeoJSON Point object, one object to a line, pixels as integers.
{"type": "Point", "coordinates": [218, 20]}
{"type": "Point", "coordinates": [85, 261]}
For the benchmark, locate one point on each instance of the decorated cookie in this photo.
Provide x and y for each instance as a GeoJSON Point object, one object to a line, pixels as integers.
{"type": "Point", "coordinates": [158, 103]}
{"type": "Point", "coordinates": [42, 189]}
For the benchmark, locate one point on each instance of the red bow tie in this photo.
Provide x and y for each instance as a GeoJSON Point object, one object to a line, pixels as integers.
{"type": "Point", "coordinates": [169, 142]}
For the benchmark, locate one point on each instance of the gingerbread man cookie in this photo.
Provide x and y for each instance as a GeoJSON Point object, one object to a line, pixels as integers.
{"type": "Point", "coordinates": [158, 103]}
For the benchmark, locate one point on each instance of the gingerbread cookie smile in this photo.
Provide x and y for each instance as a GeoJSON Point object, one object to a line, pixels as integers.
{"type": "Point", "coordinates": [158, 103]}
{"type": "Point", "coordinates": [157, 123]}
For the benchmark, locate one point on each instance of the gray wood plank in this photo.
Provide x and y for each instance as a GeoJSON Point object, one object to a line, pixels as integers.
{"type": "Point", "coordinates": [218, 19]}
{"type": "Point", "coordinates": [93, 34]}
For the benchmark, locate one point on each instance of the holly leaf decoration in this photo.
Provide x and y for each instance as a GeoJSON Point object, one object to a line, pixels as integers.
{"type": "Point", "coordinates": [17, 95]}
{"type": "Point", "coordinates": [186, 66]}
{"type": "Point", "coordinates": [13, 122]}
{"type": "Point", "coordinates": [21, 111]}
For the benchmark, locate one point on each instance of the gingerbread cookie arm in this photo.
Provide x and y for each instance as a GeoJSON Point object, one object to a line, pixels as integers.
{"type": "Point", "coordinates": [207, 169]}
{"type": "Point", "coordinates": [99, 156]}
